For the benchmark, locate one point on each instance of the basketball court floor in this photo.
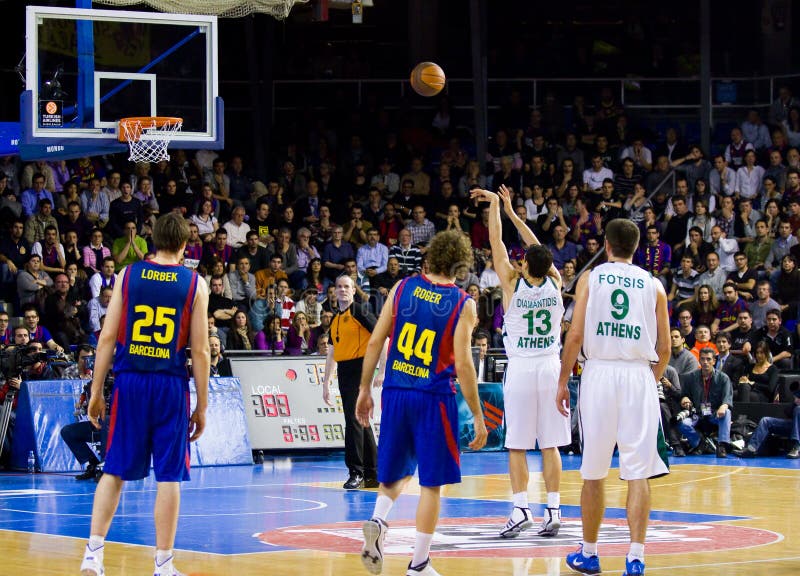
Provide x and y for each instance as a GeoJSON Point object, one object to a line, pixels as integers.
{"type": "Point", "coordinates": [290, 516]}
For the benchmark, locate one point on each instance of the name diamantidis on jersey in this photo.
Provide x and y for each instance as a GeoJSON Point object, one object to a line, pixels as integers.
{"type": "Point", "coordinates": [534, 304]}
{"type": "Point", "coordinates": [622, 281]}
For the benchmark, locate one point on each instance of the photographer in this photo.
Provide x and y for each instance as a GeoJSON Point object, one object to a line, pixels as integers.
{"type": "Point", "coordinates": [78, 435]}
{"type": "Point", "coordinates": [788, 427]}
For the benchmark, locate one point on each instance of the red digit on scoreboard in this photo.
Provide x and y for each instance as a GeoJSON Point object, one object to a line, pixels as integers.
{"type": "Point", "coordinates": [313, 433]}
{"type": "Point", "coordinates": [283, 405]}
{"type": "Point", "coordinates": [287, 434]}
{"type": "Point", "coordinates": [270, 406]}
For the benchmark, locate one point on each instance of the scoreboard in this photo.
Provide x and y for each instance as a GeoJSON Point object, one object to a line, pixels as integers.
{"type": "Point", "coordinates": [283, 402]}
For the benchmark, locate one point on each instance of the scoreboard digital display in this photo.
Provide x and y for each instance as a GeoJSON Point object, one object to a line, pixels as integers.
{"type": "Point", "coordinates": [284, 406]}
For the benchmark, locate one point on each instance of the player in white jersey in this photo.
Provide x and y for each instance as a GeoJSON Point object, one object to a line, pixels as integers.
{"type": "Point", "coordinates": [621, 321]}
{"type": "Point", "coordinates": [532, 337]}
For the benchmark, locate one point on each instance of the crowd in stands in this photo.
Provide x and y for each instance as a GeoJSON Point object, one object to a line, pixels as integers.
{"type": "Point", "coordinates": [719, 228]}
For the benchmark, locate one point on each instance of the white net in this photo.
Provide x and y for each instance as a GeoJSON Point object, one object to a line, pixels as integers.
{"type": "Point", "coordinates": [224, 8]}
{"type": "Point", "coordinates": [148, 138]}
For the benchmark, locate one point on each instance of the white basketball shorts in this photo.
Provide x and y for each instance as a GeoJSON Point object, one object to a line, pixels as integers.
{"type": "Point", "coordinates": [529, 397]}
{"type": "Point", "coordinates": [618, 405]}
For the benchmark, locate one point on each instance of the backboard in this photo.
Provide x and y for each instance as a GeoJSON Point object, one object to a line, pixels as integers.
{"type": "Point", "coordinates": [86, 69]}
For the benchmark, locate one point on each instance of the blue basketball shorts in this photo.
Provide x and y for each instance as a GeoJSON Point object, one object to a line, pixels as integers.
{"type": "Point", "coordinates": [149, 418]}
{"type": "Point", "coordinates": [418, 428]}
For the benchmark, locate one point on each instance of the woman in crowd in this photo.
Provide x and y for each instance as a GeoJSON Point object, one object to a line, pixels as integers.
{"type": "Point", "coordinates": [636, 204]}
{"type": "Point", "coordinates": [314, 277]}
{"type": "Point", "coordinates": [534, 202]}
{"type": "Point", "coordinates": [471, 178]}
{"type": "Point", "coordinates": [205, 220]}
{"type": "Point", "coordinates": [241, 335]}
{"type": "Point", "coordinates": [566, 178]}
{"type": "Point", "coordinates": [703, 305]}
{"type": "Point", "coordinates": [70, 194]}
{"type": "Point", "coordinates": [569, 203]}
{"type": "Point", "coordinates": [300, 339]}
{"type": "Point", "coordinates": [761, 384]}
{"type": "Point", "coordinates": [322, 229]}
{"type": "Point", "coordinates": [772, 214]}
{"type": "Point", "coordinates": [702, 219]}
{"type": "Point", "coordinates": [787, 287]}
{"type": "Point", "coordinates": [271, 337]}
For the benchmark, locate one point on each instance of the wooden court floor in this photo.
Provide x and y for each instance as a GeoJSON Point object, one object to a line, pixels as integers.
{"type": "Point", "coordinates": [290, 516]}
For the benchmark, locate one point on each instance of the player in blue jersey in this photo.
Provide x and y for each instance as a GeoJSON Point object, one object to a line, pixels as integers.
{"type": "Point", "coordinates": [429, 322]}
{"type": "Point", "coordinates": [158, 308]}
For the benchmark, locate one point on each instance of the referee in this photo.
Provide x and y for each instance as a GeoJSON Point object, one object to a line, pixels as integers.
{"type": "Point", "coordinates": [349, 334]}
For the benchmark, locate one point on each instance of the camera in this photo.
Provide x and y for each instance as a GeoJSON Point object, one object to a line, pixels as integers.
{"type": "Point", "coordinates": [14, 360]}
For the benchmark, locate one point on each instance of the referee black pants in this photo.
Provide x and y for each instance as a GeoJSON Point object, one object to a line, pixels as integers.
{"type": "Point", "coordinates": [360, 450]}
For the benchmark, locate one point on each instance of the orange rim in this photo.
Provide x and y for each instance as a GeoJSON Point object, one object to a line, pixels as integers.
{"type": "Point", "coordinates": [132, 126]}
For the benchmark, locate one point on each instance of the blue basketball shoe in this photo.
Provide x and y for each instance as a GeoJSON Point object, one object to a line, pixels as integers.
{"type": "Point", "coordinates": [633, 568]}
{"type": "Point", "coordinates": [578, 562]}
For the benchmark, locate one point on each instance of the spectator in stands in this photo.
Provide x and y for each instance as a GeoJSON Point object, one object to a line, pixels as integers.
{"type": "Point", "coordinates": [788, 427]}
{"type": "Point", "coordinates": [735, 151]}
{"type": "Point", "coordinates": [722, 179]}
{"type": "Point", "coordinates": [639, 153]}
{"type": "Point", "coordinates": [742, 336]}
{"type": "Point", "coordinates": [299, 338]}
{"type": "Point", "coordinates": [97, 308]}
{"type": "Point", "coordinates": [128, 248]}
{"type": "Point", "coordinates": [6, 335]}
{"type": "Point", "coordinates": [32, 280]}
{"type": "Point", "coordinates": [145, 194]}
{"type": "Point", "coordinates": [237, 228]}
{"type": "Point", "coordinates": [421, 180]}
{"type": "Point", "coordinates": [702, 219]}
{"type": "Point", "coordinates": [310, 306]}
{"type": "Point", "coordinates": [744, 227]}
{"type": "Point", "coordinates": [335, 252]}
{"type": "Point", "coordinates": [243, 284]}
{"type": "Point", "coordinates": [270, 275]}
{"type": "Point", "coordinates": [724, 247]}
{"type": "Point", "coordinates": [219, 365]}
{"type": "Point", "coordinates": [124, 209]}
{"type": "Point", "coordinates": [36, 224]}
{"type": "Point", "coordinates": [703, 304]}
{"type": "Point", "coordinates": [778, 338]}
{"type": "Point", "coordinates": [787, 286]}
{"type": "Point", "coordinates": [731, 364]}
{"type": "Point", "coordinates": [755, 131]}
{"type": "Point", "coordinates": [219, 249]}
{"type": "Point", "coordinates": [777, 172]}
{"type": "Point", "coordinates": [713, 277]}
{"type": "Point", "coordinates": [762, 303]}
{"type": "Point", "coordinates": [677, 227]}
{"type": "Point", "coordinates": [37, 332]}
{"type": "Point", "coordinates": [420, 228]}
{"type": "Point", "coordinates": [372, 257]}
{"type": "Point", "coordinates": [593, 177]}
{"type": "Point", "coordinates": [220, 184]}
{"type": "Point", "coordinates": [324, 327]}
{"type": "Point", "coordinates": [105, 277]}
{"type": "Point", "coordinates": [95, 251]}
{"type": "Point", "coordinates": [710, 392]}
{"type": "Point", "coordinates": [387, 181]}
{"type": "Point", "coordinates": [728, 310]}
{"type": "Point", "coordinates": [781, 246]}
{"type": "Point", "coordinates": [205, 221]}
{"type": "Point", "coordinates": [792, 190]}
{"type": "Point", "coordinates": [51, 251]}
{"type": "Point", "coordinates": [563, 250]}
{"type": "Point", "coordinates": [112, 187]}
{"type": "Point", "coordinates": [373, 207]}
{"type": "Point", "coordinates": [702, 340]}
{"type": "Point", "coordinates": [220, 307]}
{"type": "Point", "coordinates": [472, 177]}
{"type": "Point", "coordinates": [14, 253]}
{"type": "Point", "coordinates": [669, 396]}
{"type": "Point", "coordinates": [32, 197]}
{"type": "Point", "coordinates": [683, 281]}
{"type": "Point", "coordinates": [61, 311]}
{"type": "Point", "coordinates": [696, 248]}
{"type": "Point", "coordinates": [681, 359]}
{"type": "Point", "coordinates": [779, 109]}
{"type": "Point", "coordinates": [761, 383]}
{"type": "Point", "coordinates": [257, 255]}
{"type": "Point", "coordinates": [241, 335]}
{"type": "Point", "coordinates": [272, 337]}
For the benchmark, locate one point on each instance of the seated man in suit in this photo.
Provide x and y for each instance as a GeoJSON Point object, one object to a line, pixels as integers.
{"type": "Point", "coordinates": [788, 427]}
{"type": "Point", "coordinates": [711, 394]}
{"type": "Point", "coordinates": [484, 365]}
{"type": "Point", "coordinates": [732, 365]}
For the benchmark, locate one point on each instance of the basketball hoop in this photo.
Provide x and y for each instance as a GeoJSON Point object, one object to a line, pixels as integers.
{"type": "Point", "coordinates": [148, 136]}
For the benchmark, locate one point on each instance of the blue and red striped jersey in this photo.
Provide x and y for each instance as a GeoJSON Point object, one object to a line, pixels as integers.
{"type": "Point", "coordinates": [425, 315]}
{"type": "Point", "coordinates": [157, 303]}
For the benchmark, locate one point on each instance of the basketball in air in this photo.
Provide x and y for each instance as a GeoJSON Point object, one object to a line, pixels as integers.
{"type": "Point", "coordinates": [427, 79]}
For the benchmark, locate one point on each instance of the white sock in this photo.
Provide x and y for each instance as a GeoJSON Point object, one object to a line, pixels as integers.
{"type": "Point", "coordinates": [163, 556]}
{"type": "Point", "coordinates": [590, 548]}
{"type": "Point", "coordinates": [553, 499]}
{"type": "Point", "coordinates": [96, 542]}
{"type": "Point", "coordinates": [422, 548]}
{"type": "Point", "coordinates": [383, 505]}
{"type": "Point", "coordinates": [636, 552]}
{"type": "Point", "coordinates": [520, 499]}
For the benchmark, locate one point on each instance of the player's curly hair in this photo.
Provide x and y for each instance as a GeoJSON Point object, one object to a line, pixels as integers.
{"type": "Point", "coordinates": [447, 251]}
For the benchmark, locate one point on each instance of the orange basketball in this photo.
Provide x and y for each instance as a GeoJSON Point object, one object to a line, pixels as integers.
{"type": "Point", "coordinates": [427, 79]}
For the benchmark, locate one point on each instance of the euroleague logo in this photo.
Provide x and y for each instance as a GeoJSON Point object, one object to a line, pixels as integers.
{"type": "Point", "coordinates": [51, 107]}
{"type": "Point", "coordinates": [478, 537]}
